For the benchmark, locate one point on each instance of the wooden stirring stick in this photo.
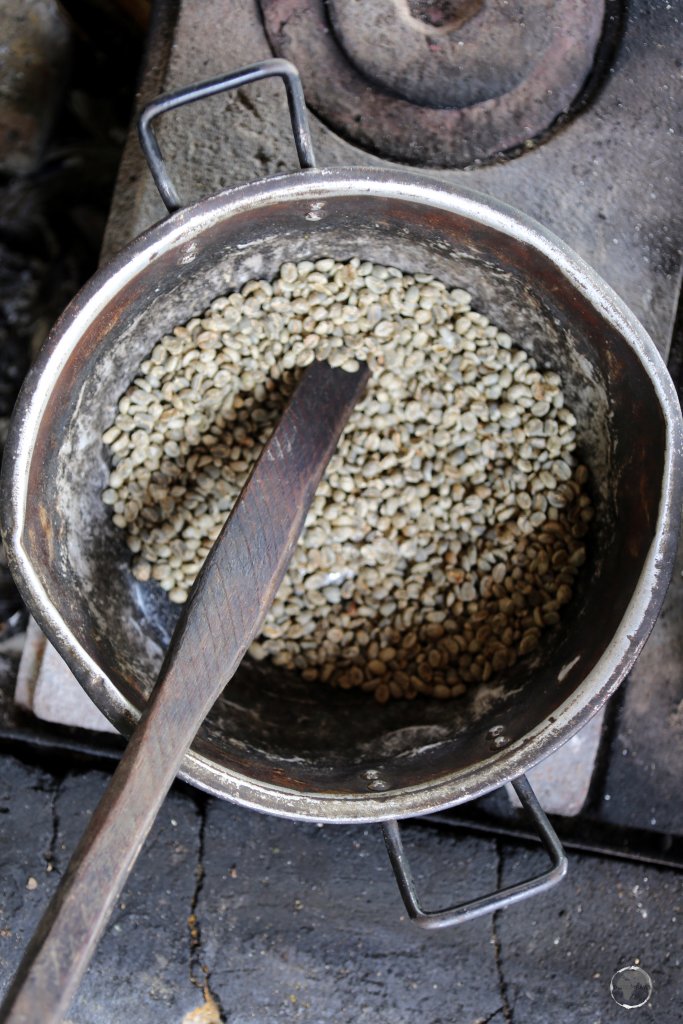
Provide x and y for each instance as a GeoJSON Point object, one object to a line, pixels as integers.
{"type": "Point", "coordinates": [225, 611]}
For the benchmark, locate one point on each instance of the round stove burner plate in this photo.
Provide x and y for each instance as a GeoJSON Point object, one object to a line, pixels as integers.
{"type": "Point", "coordinates": [448, 83]}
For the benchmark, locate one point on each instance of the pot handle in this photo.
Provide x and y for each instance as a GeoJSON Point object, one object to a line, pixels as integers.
{"type": "Point", "coordinates": [461, 912]}
{"type": "Point", "coordinates": [200, 90]}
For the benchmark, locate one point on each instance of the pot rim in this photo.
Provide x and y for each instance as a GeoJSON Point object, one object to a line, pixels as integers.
{"type": "Point", "coordinates": [182, 229]}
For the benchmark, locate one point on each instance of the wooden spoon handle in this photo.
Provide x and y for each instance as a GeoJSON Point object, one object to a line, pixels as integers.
{"type": "Point", "coordinates": [225, 611]}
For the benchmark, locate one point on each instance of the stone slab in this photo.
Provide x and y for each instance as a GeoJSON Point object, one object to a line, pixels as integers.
{"type": "Point", "coordinates": [559, 951]}
{"type": "Point", "coordinates": [280, 921]}
{"type": "Point", "coordinates": [26, 838]}
{"type": "Point", "coordinates": [234, 917]}
{"type": "Point", "coordinates": [305, 922]}
{"type": "Point", "coordinates": [562, 781]}
{"type": "Point", "coordinates": [141, 971]}
{"type": "Point", "coordinates": [47, 688]}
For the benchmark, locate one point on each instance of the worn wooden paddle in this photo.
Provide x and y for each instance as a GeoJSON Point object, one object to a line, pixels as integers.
{"type": "Point", "coordinates": [225, 611]}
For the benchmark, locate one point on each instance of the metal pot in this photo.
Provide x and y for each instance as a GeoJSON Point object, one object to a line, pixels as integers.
{"type": "Point", "coordinates": [273, 742]}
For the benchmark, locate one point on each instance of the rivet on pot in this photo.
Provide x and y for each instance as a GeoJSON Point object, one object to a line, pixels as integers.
{"type": "Point", "coordinates": [315, 213]}
{"type": "Point", "coordinates": [496, 738]}
{"type": "Point", "coordinates": [374, 781]}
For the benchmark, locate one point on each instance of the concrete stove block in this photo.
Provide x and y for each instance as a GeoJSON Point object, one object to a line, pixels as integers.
{"type": "Point", "coordinates": [47, 688]}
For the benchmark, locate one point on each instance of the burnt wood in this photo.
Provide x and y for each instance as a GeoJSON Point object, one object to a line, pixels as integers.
{"type": "Point", "coordinates": [225, 611]}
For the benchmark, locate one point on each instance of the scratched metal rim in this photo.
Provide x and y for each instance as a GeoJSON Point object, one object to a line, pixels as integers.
{"type": "Point", "coordinates": [185, 228]}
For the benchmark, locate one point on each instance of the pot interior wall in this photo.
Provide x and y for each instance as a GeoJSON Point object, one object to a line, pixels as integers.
{"type": "Point", "coordinates": [271, 726]}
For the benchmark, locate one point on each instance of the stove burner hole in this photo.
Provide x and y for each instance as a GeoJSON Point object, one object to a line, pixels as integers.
{"type": "Point", "coordinates": [440, 16]}
{"type": "Point", "coordinates": [442, 83]}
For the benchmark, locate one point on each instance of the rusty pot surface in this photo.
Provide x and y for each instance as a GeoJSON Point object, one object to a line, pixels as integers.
{"type": "Point", "coordinates": [273, 742]}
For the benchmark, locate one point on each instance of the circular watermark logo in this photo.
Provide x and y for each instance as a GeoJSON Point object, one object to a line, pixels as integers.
{"type": "Point", "coordinates": [631, 987]}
